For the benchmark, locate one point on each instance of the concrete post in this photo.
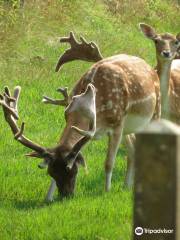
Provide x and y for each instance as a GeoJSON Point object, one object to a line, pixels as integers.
{"type": "Point", "coordinates": [157, 183]}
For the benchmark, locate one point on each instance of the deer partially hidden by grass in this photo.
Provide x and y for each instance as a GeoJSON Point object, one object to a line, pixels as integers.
{"type": "Point", "coordinates": [117, 96]}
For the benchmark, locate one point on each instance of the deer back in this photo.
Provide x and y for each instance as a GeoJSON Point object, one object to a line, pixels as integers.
{"type": "Point", "coordinates": [120, 82]}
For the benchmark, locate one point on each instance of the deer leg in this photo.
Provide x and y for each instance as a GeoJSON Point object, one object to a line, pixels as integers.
{"type": "Point", "coordinates": [129, 179]}
{"type": "Point", "coordinates": [113, 144]}
{"type": "Point", "coordinates": [51, 190]}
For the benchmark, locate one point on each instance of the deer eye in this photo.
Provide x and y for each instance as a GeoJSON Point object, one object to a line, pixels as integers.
{"type": "Point", "coordinates": [176, 42]}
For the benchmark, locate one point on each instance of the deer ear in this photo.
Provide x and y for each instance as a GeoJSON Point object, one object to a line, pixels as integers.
{"type": "Point", "coordinates": [148, 31]}
{"type": "Point", "coordinates": [178, 36]}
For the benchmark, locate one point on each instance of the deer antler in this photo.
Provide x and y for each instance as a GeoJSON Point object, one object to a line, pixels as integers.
{"type": "Point", "coordinates": [3, 102]}
{"type": "Point", "coordinates": [85, 104]}
{"type": "Point", "coordinates": [78, 51]}
{"type": "Point", "coordinates": [61, 102]}
{"type": "Point", "coordinates": [9, 105]}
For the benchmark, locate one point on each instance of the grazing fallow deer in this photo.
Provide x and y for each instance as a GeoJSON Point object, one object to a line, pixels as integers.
{"type": "Point", "coordinates": [166, 44]}
{"type": "Point", "coordinates": [127, 97]}
{"type": "Point", "coordinates": [118, 95]}
{"type": "Point", "coordinates": [167, 48]}
{"type": "Point", "coordinates": [64, 159]}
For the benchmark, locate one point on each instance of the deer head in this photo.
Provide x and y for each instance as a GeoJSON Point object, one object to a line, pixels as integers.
{"type": "Point", "coordinates": [63, 160]}
{"type": "Point", "coordinates": [166, 44]}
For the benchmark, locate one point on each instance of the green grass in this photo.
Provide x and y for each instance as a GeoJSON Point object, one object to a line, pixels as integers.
{"type": "Point", "coordinates": [92, 214]}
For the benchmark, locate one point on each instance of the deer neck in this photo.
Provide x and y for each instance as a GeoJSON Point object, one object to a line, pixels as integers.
{"type": "Point", "coordinates": [164, 72]}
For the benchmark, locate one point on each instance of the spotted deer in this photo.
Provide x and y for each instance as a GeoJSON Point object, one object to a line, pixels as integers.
{"type": "Point", "coordinates": [117, 96]}
{"type": "Point", "coordinates": [167, 49]}
{"type": "Point", "coordinates": [127, 88]}
{"type": "Point", "coordinates": [64, 159]}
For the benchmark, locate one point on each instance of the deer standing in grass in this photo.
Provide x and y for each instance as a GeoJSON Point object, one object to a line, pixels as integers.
{"type": "Point", "coordinates": [167, 49]}
{"type": "Point", "coordinates": [119, 95]}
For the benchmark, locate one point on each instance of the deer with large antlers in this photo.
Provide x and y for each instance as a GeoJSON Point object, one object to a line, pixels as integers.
{"type": "Point", "coordinates": [117, 96]}
{"type": "Point", "coordinates": [131, 77]}
{"type": "Point", "coordinates": [127, 98]}
{"type": "Point", "coordinates": [167, 49]}
{"type": "Point", "coordinates": [62, 160]}
{"type": "Point", "coordinates": [164, 43]}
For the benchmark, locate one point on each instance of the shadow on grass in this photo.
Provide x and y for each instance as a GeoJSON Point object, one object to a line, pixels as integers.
{"type": "Point", "coordinates": [94, 185]}
{"type": "Point", "coordinates": [32, 204]}
{"type": "Point", "coordinates": [26, 204]}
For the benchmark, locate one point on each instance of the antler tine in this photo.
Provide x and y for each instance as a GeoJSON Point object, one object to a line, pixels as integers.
{"type": "Point", "coordinates": [14, 100]}
{"type": "Point", "coordinates": [4, 103]}
{"type": "Point", "coordinates": [17, 91]}
{"type": "Point", "coordinates": [10, 99]}
{"type": "Point", "coordinates": [71, 39]}
{"type": "Point", "coordinates": [64, 92]}
{"type": "Point", "coordinates": [61, 102]}
{"type": "Point", "coordinates": [7, 96]}
{"type": "Point", "coordinates": [95, 46]}
{"type": "Point", "coordinates": [10, 115]}
{"type": "Point", "coordinates": [78, 51]}
{"type": "Point", "coordinates": [83, 40]}
{"type": "Point", "coordinates": [7, 91]}
{"type": "Point", "coordinates": [89, 133]}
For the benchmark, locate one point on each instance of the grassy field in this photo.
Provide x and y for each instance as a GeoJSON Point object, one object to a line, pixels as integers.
{"type": "Point", "coordinates": [29, 49]}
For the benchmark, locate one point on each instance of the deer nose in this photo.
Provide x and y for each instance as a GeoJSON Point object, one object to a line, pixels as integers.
{"type": "Point", "coordinates": [166, 53]}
